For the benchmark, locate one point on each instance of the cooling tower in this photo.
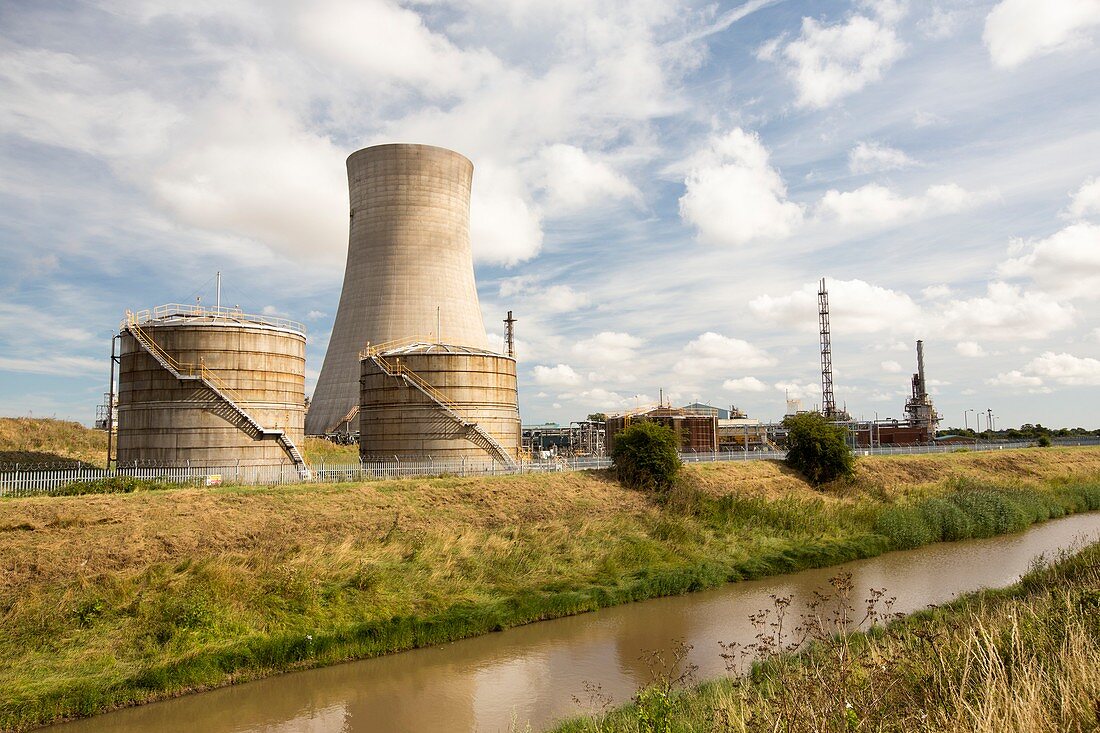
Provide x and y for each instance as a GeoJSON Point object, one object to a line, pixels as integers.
{"type": "Point", "coordinates": [409, 266]}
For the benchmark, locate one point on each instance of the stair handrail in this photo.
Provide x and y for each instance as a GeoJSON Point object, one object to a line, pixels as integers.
{"type": "Point", "coordinates": [372, 350]}
{"type": "Point", "coordinates": [200, 370]}
{"type": "Point", "coordinates": [398, 370]}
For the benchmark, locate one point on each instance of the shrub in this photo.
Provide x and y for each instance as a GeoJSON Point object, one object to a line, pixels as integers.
{"type": "Point", "coordinates": [817, 449]}
{"type": "Point", "coordinates": [1043, 441]}
{"type": "Point", "coordinates": [646, 456]}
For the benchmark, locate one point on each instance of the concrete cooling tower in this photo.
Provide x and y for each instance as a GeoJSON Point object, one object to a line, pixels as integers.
{"type": "Point", "coordinates": [409, 264]}
{"type": "Point", "coordinates": [408, 361]}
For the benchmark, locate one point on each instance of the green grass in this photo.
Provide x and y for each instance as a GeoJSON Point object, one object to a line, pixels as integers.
{"type": "Point", "coordinates": [118, 599]}
{"type": "Point", "coordinates": [1025, 659]}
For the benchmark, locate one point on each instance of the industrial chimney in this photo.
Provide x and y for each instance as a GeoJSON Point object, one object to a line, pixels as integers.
{"type": "Point", "coordinates": [409, 271]}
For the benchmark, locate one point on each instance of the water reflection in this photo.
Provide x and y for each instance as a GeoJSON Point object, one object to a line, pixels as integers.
{"type": "Point", "coordinates": [531, 674]}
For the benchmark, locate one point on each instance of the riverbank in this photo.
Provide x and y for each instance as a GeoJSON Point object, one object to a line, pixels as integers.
{"type": "Point", "coordinates": [115, 599]}
{"type": "Point", "coordinates": [1025, 659]}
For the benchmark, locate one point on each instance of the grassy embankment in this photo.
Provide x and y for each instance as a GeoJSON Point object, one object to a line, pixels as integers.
{"type": "Point", "coordinates": [30, 440]}
{"type": "Point", "coordinates": [1025, 659]}
{"type": "Point", "coordinates": [107, 600]}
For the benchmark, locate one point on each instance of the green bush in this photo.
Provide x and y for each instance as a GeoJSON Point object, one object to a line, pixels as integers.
{"type": "Point", "coordinates": [1043, 441]}
{"type": "Point", "coordinates": [817, 449]}
{"type": "Point", "coordinates": [646, 456]}
{"type": "Point", "coordinates": [112, 485]}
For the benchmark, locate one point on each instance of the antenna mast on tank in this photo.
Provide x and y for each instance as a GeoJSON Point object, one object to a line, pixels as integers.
{"type": "Point", "coordinates": [510, 336]}
{"type": "Point", "coordinates": [828, 402]}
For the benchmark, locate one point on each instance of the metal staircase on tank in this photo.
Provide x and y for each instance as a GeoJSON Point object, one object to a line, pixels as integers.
{"type": "Point", "coordinates": [185, 372]}
{"type": "Point", "coordinates": [470, 430]}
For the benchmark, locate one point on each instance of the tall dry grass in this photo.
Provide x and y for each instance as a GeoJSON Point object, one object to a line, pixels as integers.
{"type": "Point", "coordinates": [28, 440]}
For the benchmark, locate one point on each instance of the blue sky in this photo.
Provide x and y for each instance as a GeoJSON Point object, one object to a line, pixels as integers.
{"type": "Point", "coordinates": [658, 187]}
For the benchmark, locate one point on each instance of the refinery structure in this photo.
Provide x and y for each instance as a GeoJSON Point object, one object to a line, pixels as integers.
{"type": "Point", "coordinates": [408, 374]}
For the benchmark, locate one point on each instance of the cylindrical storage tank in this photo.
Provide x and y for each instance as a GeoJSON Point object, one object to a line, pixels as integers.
{"type": "Point", "coordinates": [258, 363]}
{"type": "Point", "coordinates": [410, 270]}
{"type": "Point", "coordinates": [396, 419]}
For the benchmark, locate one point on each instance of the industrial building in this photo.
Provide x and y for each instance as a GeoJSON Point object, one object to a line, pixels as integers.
{"type": "Point", "coordinates": [581, 438]}
{"type": "Point", "coordinates": [209, 386]}
{"type": "Point", "coordinates": [698, 431]}
{"type": "Point", "coordinates": [408, 357]}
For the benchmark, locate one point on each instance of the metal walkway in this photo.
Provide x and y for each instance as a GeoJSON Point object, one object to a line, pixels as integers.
{"type": "Point", "coordinates": [470, 430]}
{"type": "Point", "coordinates": [199, 373]}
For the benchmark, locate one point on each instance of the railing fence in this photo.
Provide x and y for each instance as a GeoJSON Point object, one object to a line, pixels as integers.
{"type": "Point", "coordinates": [29, 480]}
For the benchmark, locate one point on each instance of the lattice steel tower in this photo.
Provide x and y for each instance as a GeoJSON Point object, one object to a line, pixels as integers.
{"type": "Point", "coordinates": [828, 402]}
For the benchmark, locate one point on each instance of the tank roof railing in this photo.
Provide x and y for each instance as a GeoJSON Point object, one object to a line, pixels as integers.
{"type": "Point", "coordinates": [371, 350]}
{"type": "Point", "coordinates": [183, 311]}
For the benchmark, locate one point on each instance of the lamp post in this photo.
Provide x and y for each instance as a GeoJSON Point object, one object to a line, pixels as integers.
{"type": "Point", "coordinates": [966, 423]}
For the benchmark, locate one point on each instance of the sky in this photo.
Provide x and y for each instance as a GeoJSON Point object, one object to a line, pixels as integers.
{"type": "Point", "coordinates": [659, 185]}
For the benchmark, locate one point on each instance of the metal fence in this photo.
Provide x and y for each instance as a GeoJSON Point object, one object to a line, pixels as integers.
{"type": "Point", "coordinates": [29, 480]}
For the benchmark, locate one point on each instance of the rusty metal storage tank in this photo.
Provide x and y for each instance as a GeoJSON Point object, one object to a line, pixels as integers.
{"type": "Point", "coordinates": [212, 387]}
{"type": "Point", "coordinates": [439, 401]}
{"type": "Point", "coordinates": [409, 269]}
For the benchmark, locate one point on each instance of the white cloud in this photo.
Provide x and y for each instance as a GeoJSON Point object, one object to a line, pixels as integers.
{"type": "Point", "coordinates": [890, 367]}
{"type": "Point", "coordinates": [873, 157]}
{"type": "Point", "coordinates": [940, 23]}
{"type": "Point", "coordinates": [248, 167]}
{"type": "Point", "coordinates": [529, 294]}
{"type": "Point", "coordinates": [1015, 378]}
{"type": "Point", "coordinates": [855, 307]}
{"type": "Point", "coordinates": [1066, 369]}
{"type": "Point", "coordinates": [744, 384]}
{"type": "Point", "coordinates": [874, 204]}
{"type": "Point", "coordinates": [799, 391]}
{"type": "Point", "coordinates": [1086, 200]}
{"type": "Point", "coordinates": [733, 196]}
{"type": "Point", "coordinates": [713, 352]}
{"type": "Point", "coordinates": [55, 364]}
{"type": "Point", "coordinates": [504, 229]}
{"type": "Point", "coordinates": [1005, 313]}
{"type": "Point", "coordinates": [1018, 30]}
{"type": "Point", "coordinates": [384, 43]}
{"type": "Point", "coordinates": [59, 99]}
{"type": "Point", "coordinates": [561, 375]}
{"type": "Point", "coordinates": [936, 292]}
{"type": "Point", "coordinates": [828, 62]}
{"type": "Point", "coordinates": [608, 348]}
{"type": "Point", "coordinates": [1066, 264]}
{"type": "Point", "coordinates": [573, 181]}
{"type": "Point", "coordinates": [969, 349]}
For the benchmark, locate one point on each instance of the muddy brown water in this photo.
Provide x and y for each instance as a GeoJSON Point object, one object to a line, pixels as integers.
{"type": "Point", "coordinates": [531, 674]}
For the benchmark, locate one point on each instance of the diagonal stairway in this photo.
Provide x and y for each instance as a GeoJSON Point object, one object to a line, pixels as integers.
{"type": "Point", "coordinates": [207, 378]}
{"type": "Point", "coordinates": [470, 430]}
